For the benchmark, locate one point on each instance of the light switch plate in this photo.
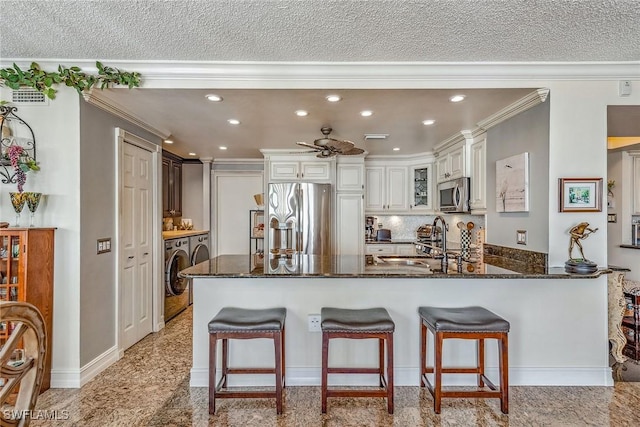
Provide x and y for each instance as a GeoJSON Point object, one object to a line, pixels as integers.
{"type": "Point", "coordinates": [521, 238]}
{"type": "Point", "coordinates": [625, 88]}
{"type": "Point", "coordinates": [104, 245]}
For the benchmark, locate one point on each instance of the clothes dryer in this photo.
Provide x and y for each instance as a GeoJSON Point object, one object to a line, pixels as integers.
{"type": "Point", "coordinates": [199, 246]}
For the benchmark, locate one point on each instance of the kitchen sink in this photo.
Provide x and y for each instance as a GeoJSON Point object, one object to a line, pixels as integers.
{"type": "Point", "coordinates": [415, 261]}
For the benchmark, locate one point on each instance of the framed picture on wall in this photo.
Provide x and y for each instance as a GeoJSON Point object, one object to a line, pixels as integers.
{"type": "Point", "coordinates": [580, 195]}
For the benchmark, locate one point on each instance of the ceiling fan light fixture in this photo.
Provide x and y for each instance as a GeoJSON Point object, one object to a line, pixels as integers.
{"type": "Point", "coordinates": [368, 136]}
{"type": "Point", "coordinates": [333, 98]}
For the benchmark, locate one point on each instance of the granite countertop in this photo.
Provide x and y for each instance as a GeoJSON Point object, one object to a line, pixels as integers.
{"type": "Point", "coordinates": [390, 242]}
{"type": "Point", "coordinates": [630, 246]}
{"type": "Point", "coordinates": [369, 266]}
{"type": "Point", "coordinates": [181, 233]}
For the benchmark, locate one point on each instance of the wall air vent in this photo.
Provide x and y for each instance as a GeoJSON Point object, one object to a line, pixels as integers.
{"type": "Point", "coordinates": [28, 96]}
{"type": "Point", "coordinates": [368, 136]}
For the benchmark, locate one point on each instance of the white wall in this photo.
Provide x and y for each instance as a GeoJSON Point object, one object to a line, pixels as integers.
{"type": "Point", "coordinates": [527, 132]}
{"type": "Point", "coordinates": [57, 133]}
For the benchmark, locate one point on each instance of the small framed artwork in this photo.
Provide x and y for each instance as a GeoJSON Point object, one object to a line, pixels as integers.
{"type": "Point", "coordinates": [580, 194]}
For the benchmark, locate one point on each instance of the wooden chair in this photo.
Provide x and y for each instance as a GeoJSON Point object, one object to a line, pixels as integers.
{"type": "Point", "coordinates": [28, 334]}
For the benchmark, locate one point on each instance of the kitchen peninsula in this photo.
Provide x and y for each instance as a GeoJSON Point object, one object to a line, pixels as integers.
{"type": "Point", "coordinates": [558, 325]}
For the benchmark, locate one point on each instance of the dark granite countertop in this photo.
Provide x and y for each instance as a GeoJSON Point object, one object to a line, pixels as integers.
{"type": "Point", "coordinates": [391, 242]}
{"type": "Point", "coordinates": [355, 266]}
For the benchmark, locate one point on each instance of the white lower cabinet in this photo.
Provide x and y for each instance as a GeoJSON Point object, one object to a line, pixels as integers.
{"type": "Point", "coordinates": [406, 249]}
{"type": "Point", "coordinates": [390, 249]}
{"type": "Point", "coordinates": [350, 224]}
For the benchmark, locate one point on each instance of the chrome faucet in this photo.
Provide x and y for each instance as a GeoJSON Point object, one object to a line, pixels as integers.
{"type": "Point", "coordinates": [445, 227]}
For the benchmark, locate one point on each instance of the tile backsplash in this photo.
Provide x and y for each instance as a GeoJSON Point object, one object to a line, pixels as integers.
{"type": "Point", "coordinates": [404, 226]}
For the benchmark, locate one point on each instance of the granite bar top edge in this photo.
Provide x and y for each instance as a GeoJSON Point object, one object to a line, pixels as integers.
{"type": "Point", "coordinates": [630, 246]}
{"type": "Point", "coordinates": [203, 270]}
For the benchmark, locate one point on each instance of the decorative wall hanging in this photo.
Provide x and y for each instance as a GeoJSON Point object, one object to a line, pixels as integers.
{"type": "Point", "coordinates": [17, 148]}
{"type": "Point", "coordinates": [580, 195]}
{"type": "Point", "coordinates": [512, 184]}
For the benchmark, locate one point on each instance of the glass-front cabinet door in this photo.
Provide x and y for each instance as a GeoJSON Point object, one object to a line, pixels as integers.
{"type": "Point", "coordinates": [421, 194]}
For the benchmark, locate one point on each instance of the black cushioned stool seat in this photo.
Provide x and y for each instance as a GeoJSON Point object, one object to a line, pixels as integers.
{"type": "Point", "coordinates": [358, 324]}
{"type": "Point", "coordinates": [475, 323]}
{"type": "Point", "coordinates": [242, 323]}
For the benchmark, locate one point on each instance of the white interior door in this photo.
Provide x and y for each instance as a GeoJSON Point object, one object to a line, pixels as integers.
{"type": "Point", "coordinates": [136, 245]}
{"type": "Point", "coordinates": [233, 198]}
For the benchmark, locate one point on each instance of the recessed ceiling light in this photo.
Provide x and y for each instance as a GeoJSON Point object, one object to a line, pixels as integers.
{"type": "Point", "coordinates": [302, 113]}
{"type": "Point", "coordinates": [168, 141]}
{"type": "Point", "coordinates": [213, 97]}
{"type": "Point", "coordinates": [376, 135]}
{"type": "Point", "coordinates": [222, 147]}
{"type": "Point", "coordinates": [456, 98]}
{"type": "Point", "coordinates": [234, 121]}
{"type": "Point", "coordinates": [366, 113]}
{"type": "Point", "coordinates": [192, 154]}
{"type": "Point", "coordinates": [396, 149]}
{"type": "Point", "coordinates": [333, 98]}
{"type": "Point", "coordinates": [428, 122]}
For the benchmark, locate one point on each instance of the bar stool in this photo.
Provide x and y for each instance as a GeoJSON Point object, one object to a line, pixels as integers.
{"type": "Point", "coordinates": [240, 323]}
{"type": "Point", "coordinates": [358, 324]}
{"type": "Point", "coordinates": [476, 323]}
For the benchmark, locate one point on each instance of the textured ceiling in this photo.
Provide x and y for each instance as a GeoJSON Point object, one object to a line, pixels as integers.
{"type": "Point", "coordinates": [323, 30]}
{"type": "Point", "coordinates": [317, 31]}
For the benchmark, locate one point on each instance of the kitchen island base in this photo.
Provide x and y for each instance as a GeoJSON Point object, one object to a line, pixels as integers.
{"type": "Point", "coordinates": [558, 326]}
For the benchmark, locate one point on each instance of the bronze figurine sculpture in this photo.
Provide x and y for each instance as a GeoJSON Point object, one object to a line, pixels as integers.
{"type": "Point", "coordinates": [579, 265]}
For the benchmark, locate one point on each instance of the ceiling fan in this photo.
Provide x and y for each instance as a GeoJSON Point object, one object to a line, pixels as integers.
{"type": "Point", "coordinates": [328, 147]}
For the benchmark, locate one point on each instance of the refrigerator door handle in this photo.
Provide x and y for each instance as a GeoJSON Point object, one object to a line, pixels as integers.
{"type": "Point", "coordinates": [299, 225]}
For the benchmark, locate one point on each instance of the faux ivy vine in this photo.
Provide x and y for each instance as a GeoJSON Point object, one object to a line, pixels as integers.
{"type": "Point", "coordinates": [43, 81]}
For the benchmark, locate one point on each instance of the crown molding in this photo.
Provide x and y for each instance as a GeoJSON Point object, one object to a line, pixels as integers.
{"type": "Point", "coordinates": [219, 161]}
{"type": "Point", "coordinates": [471, 134]}
{"type": "Point", "coordinates": [534, 98]}
{"type": "Point", "coordinates": [93, 98]}
{"type": "Point", "coordinates": [159, 74]}
{"type": "Point", "coordinates": [449, 142]}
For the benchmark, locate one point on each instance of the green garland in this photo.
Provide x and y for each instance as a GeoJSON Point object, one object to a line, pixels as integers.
{"type": "Point", "coordinates": [43, 81]}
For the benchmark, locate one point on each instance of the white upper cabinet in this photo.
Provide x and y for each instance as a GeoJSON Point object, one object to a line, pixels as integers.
{"type": "Point", "coordinates": [636, 183]}
{"type": "Point", "coordinates": [309, 170]}
{"type": "Point", "coordinates": [350, 177]}
{"type": "Point", "coordinates": [451, 163]}
{"type": "Point", "coordinates": [421, 182]}
{"type": "Point", "coordinates": [386, 188]}
{"type": "Point", "coordinates": [478, 173]}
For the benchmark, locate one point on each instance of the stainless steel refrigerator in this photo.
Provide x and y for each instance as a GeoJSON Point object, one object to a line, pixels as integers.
{"type": "Point", "coordinates": [299, 218]}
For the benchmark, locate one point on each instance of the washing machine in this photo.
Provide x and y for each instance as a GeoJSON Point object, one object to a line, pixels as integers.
{"type": "Point", "coordinates": [176, 289]}
{"type": "Point", "coordinates": [199, 246]}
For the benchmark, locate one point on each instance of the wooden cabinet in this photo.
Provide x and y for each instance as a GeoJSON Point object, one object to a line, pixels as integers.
{"type": "Point", "coordinates": [478, 173]}
{"type": "Point", "coordinates": [421, 185]}
{"type": "Point", "coordinates": [386, 188]}
{"type": "Point", "coordinates": [171, 185]}
{"type": "Point", "coordinates": [451, 163]}
{"type": "Point", "coordinates": [315, 171]}
{"type": "Point", "coordinates": [26, 274]}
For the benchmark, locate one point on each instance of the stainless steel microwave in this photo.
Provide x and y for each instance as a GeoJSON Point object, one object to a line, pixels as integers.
{"type": "Point", "coordinates": [453, 196]}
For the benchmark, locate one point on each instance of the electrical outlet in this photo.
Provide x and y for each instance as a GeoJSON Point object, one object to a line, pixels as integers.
{"type": "Point", "coordinates": [314, 323]}
{"type": "Point", "coordinates": [521, 238]}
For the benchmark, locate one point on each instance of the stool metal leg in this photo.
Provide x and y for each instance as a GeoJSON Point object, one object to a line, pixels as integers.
{"type": "Point", "coordinates": [213, 339]}
{"type": "Point", "coordinates": [325, 366]}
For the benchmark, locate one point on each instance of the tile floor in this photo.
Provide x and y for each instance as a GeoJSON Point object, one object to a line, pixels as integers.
{"type": "Point", "coordinates": [150, 387]}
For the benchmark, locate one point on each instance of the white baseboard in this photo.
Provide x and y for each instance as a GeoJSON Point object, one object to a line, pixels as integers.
{"type": "Point", "coordinates": [76, 378]}
{"type": "Point", "coordinates": [589, 376]}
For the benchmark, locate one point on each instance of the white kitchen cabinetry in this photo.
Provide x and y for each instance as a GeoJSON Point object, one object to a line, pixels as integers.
{"type": "Point", "coordinates": [315, 171]}
{"type": "Point", "coordinates": [386, 188]}
{"type": "Point", "coordinates": [350, 177]}
{"type": "Point", "coordinates": [349, 224]}
{"type": "Point", "coordinates": [478, 173]}
{"type": "Point", "coordinates": [636, 183]}
{"type": "Point", "coordinates": [420, 197]}
{"type": "Point", "coordinates": [450, 164]}
{"type": "Point", "coordinates": [390, 249]}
